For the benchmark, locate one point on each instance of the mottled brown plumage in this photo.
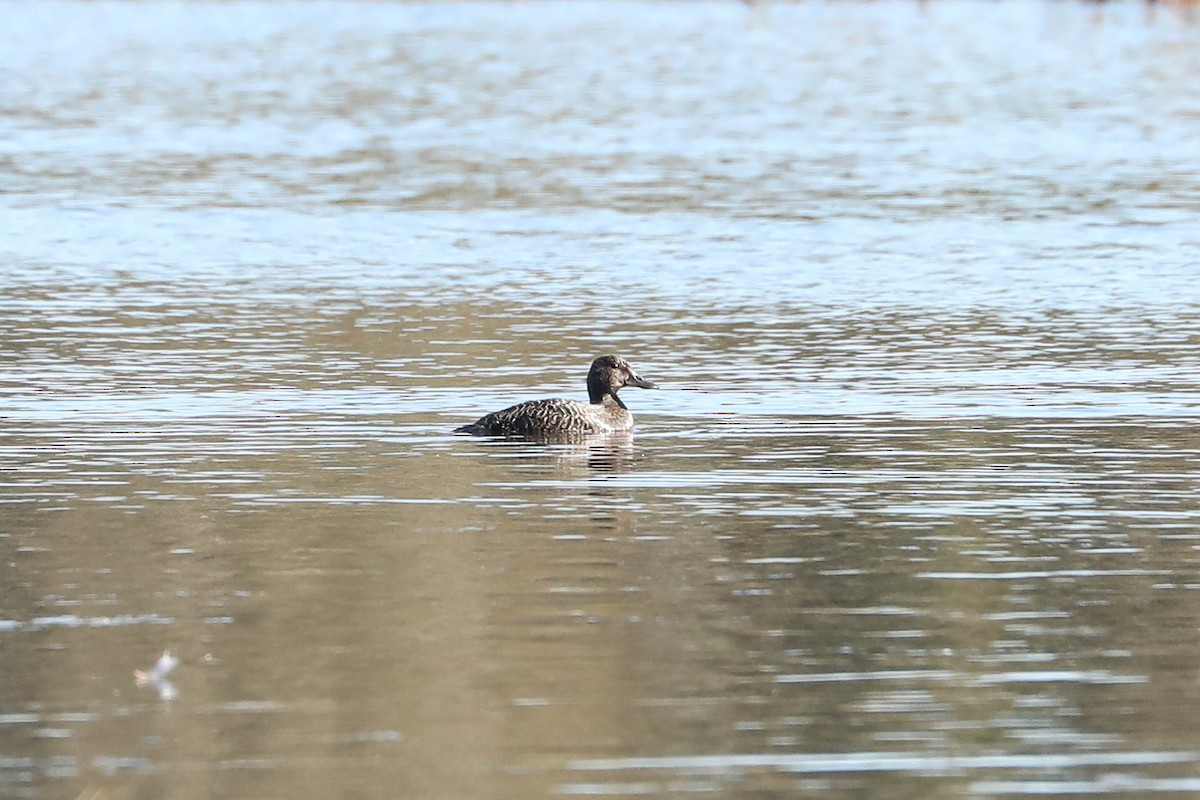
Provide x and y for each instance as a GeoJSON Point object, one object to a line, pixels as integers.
{"type": "Point", "coordinates": [555, 417]}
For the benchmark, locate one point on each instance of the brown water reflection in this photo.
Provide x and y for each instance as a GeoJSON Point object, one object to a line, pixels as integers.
{"type": "Point", "coordinates": [461, 617]}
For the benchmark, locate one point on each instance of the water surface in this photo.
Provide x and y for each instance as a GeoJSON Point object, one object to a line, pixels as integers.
{"type": "Point", "coordinates": [913, 514]}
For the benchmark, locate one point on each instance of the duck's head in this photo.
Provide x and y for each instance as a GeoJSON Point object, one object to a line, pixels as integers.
{"type": "Point", "coordinates": [611, 374]}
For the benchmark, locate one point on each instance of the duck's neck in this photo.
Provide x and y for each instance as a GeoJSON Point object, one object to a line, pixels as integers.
{"type": "Point", "coordinates": [604, 398]}
{"type": "Point", "coordinates": [598, 388]}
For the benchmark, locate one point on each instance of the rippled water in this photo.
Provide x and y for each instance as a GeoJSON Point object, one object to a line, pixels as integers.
{"type": "Point", "coordinates": [915, 512]}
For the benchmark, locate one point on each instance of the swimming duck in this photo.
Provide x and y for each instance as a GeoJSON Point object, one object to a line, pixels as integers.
{"type": "Point", "coordinates": [604, 413]}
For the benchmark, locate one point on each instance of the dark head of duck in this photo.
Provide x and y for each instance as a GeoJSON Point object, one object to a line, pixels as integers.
{"type": "Point", "coordinates": [610, 374]}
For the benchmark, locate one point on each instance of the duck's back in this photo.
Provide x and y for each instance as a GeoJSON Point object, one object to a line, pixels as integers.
{"type": "Point", "coordinates": [553, 417]}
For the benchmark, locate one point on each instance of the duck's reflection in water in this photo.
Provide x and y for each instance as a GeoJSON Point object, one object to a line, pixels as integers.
{"type": "Point", "coordinates": [599, 453]}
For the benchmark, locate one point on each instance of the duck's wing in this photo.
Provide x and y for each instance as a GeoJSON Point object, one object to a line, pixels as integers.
{"type": "Point", "coordinates": [536, 417]}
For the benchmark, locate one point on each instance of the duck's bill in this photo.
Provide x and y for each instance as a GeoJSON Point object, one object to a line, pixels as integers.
{"type": "Point", "coordinates": [641, 383]}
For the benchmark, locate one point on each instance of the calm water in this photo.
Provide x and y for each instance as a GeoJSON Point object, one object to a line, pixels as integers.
{"type": "Point", "coordinates": [915, 513]}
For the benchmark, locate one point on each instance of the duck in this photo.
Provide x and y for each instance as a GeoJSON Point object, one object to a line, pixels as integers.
{"type": "Point", "coordinates": [555, 417]}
